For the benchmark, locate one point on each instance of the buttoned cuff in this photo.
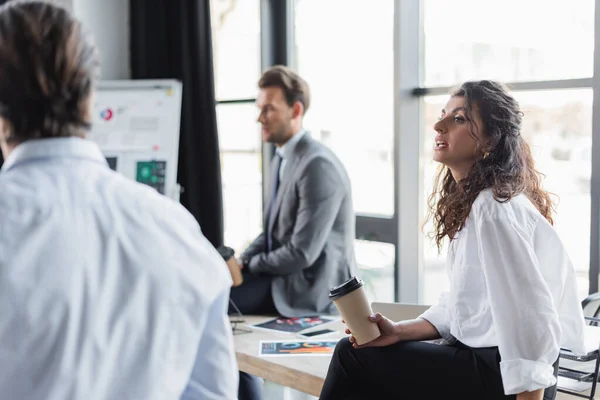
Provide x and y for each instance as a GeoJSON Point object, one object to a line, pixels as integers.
{"type": "Point", "coordinates": [436, 316]}
{"type": "Point", "coordinates": [526, 376]}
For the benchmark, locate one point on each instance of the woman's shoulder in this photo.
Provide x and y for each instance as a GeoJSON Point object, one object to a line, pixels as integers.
{"type": "Point", "coordinates": [489, 206]}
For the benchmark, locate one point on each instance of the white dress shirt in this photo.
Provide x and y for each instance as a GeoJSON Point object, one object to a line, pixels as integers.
{"type": "Point", "coordinates": [108, 290]}
{"type": "Point", "coordinates": [513, 286]}
{"type": "Point", "coordinates": [287, 149]}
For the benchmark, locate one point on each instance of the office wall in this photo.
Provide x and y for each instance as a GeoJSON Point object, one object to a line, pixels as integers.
{"type": "Point", "coordinates": [108, 21]}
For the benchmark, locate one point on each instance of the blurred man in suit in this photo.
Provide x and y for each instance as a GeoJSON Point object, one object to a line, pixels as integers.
{"type": "Point", "coordinates": [307, 245]}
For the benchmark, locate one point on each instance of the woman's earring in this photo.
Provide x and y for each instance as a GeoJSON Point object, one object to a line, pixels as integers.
{"type": "Point", "coordinates": [485, 155]}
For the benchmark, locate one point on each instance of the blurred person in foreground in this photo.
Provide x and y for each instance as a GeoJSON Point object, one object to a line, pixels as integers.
{"type": "Point", "coordinates": [108, 290]}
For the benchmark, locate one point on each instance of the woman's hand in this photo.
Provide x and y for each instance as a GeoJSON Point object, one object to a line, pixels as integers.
{"type": "Point", "coordinates": [394, 332]}
{"type": "Point", "coordinates": [387, 327]}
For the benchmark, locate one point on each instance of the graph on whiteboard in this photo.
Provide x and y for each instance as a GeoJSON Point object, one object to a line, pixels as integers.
{"type": "Point", "coordinates": [130, 121]}
{"type": "Point", "coordinates": [136, 125]}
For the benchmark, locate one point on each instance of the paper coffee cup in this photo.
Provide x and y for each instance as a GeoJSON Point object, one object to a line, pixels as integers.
{"type": "Point", "coordinates": [234, 269]}
{"type": "Point", "coordinates": [350, 298]}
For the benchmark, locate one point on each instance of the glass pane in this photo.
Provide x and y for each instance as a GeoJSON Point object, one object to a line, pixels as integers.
{"type": "Point", "coordinates": [238, 129]}
{"type": "Point", "coordinates": [242, 198]}
{"type": "Point", "coordinates": [558, 127]}
{"type": "Point", "coordinates": [523, 41]}
{"type": "Point", "coordinates": [241, 173]}
{"type": "Point", "coordinates": [376, 267]}
{"type": "Point", "coordinates": [349, 67]}
{"type": "Point", "coordinates": [236, 42]}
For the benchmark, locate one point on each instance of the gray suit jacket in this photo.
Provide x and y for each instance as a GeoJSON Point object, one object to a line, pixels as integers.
{"type": "Point", "coordinates": [313, 230]}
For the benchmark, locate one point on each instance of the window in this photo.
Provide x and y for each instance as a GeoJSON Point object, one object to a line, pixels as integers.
{"type": "Point", "coordinates": [509, 40]}
{"type": "Point", "coordinates": [236, 41]}
{"type": "Point", "coordinates": [241, 173]}
{"type": "Point", "coordinates": [558, 127]}
{"type": "Point", "coordinates": [361, 77]}
{"type": "Point", "coordinates": [344, 50]}
{"type": "Point", "coordinates": [376, 268]}
{"type": "Point", "coordinates": [523, 46]}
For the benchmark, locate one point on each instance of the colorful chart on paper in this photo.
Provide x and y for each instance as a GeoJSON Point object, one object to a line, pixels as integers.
{"type": "Point", "coordinates": [293, 325]}
{"type": "Point", "coordinates": [274, 348]}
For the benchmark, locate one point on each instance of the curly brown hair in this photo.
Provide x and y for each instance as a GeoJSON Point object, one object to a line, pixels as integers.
{"type": "Point", "coordinates": [508, 169]}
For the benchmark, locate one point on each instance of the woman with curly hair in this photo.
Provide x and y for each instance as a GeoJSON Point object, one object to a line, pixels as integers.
{"type": "Point", "coordinates": [512, 302]}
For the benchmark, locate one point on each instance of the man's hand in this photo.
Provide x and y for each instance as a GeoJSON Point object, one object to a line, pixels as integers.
{"type": "Point", "coordinates": [240, 263]}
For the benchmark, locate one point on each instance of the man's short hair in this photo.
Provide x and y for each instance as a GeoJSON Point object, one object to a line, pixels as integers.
{"type": "Point", "coordinates": [294, 87]}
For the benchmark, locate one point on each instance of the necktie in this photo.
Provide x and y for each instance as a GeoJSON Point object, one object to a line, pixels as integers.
{"type": "Point", "coordinates": [277, 160]}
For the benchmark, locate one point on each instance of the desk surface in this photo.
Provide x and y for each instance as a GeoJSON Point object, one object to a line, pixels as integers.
{"type": "Point", "coordinates": [305, 374]}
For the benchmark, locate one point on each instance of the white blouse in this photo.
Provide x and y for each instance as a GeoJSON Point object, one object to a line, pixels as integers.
{"type": "Point", "coordinates": [512, 285]}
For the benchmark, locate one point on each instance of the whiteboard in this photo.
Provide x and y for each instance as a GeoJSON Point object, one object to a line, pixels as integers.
{"type": "Point", "coordinates": [136, 124]}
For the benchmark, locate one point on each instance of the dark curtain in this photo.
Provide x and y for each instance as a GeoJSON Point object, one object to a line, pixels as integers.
{"type": "Point", "coordinates": [172, 39]}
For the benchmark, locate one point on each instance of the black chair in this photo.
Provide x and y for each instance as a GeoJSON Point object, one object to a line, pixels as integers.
{"type": "Point", "coordinates": [591, 312]}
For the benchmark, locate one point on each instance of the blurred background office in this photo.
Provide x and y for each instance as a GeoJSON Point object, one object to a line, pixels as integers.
{"type": "Point", "coordinates": [379, 73]}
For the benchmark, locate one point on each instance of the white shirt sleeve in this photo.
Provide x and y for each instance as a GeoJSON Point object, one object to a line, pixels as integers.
{"type": "Point", "coordinates": [215, 374]}
{"type": "Point", "coordinates": [436, 316]}
{"type": "Point", "coordinates": [524, 317]}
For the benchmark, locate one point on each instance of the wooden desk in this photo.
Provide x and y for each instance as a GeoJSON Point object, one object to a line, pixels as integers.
{"type": "Point", "coordinates": [305, 374]}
